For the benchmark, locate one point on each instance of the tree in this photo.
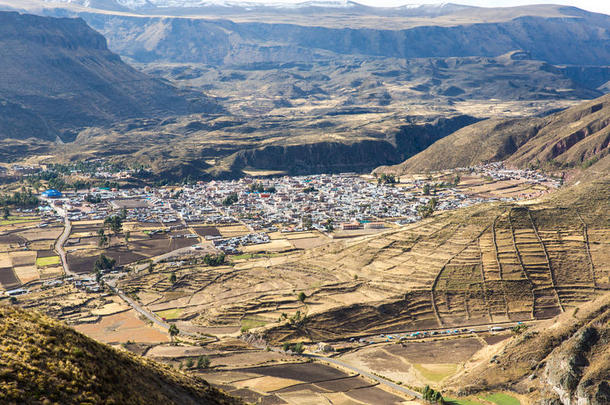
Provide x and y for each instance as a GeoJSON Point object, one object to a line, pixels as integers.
{"type": "Point", "coordinates": [298, 348]}
{"type": "Point", "coordinates": [151, 267]}
{"type": "Point", "coordinates": [230, 200]}
{"type": "Point", "coordinates": [123, 214]}
{"type": "Point", "coordinates": [203, 362]}
{"type": "Point", "coordinates": [127, 236]}
{"type": "Point", "coordinates": [172, 278]}
{"type": "Point", "coordinates": [426, 189]}
{"type": "Point", "coordinates": [329, 225]}
{"type": "Point", "coordinates": [189, 363]}
{"type": "Point", "coordinates": [426, 210]}
{"type": "Point", "coordinates": [386, 179]}
{"type": "Point", "coordinates": [214, 260]}
{"type": "Point", "coordinates": [306, 221]}
{"type": "Point", "coordinates": [6, 213]}
{"type": "Point", "coordinates": [173, 331]}
{"type": "Point", "coordinates": [115, 223]}
{"type": "Point", "coordinates": [102, 238]}
{"type": "Point", "coordinates": [104, 262]}
{"type": "Point", "coordinates": [432, 396]}
{"type": "Point", "coordinates": [302, 296]}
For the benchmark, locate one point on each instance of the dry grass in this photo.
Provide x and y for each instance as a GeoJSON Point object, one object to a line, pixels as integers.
{"type": "Point", "coordinates": [42, 361]}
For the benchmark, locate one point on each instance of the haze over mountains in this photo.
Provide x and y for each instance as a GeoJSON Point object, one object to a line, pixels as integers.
{"type": "Point", "coordinates": [364, 85]}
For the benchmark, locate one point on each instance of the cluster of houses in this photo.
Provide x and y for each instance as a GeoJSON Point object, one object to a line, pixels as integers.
{"type": "Point", "coordinates": [288, 203]}
{"type": "Point", "coordinates": [497, 171]}
{"type": "Point", "coordinates": [232, 245]}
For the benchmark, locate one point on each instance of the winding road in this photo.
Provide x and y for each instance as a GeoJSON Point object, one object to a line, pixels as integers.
{"type": "Point", "coordinates": [59, 244]}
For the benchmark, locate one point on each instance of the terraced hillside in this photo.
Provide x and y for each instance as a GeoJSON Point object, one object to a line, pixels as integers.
{"type": "Point", "coordinates": [483, 265]}
{"type": "Point", "coordinates": [42, 361]}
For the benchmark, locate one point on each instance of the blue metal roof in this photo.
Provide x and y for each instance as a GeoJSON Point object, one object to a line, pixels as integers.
{"type": "Point", "coordinates": [52, 193]}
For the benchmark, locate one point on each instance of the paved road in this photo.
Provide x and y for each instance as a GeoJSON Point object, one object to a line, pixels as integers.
{"type": "Point", "coordinates": [59, 244]}
{"type": "Point", "coordinates": [380, 380]}
{"type": "Point", "coordinates": [148, 314]}
{"type": "Point", "coordinates": [152, 317]}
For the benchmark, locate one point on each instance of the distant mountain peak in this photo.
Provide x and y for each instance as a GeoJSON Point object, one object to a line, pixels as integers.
{"type": "Point", "coordinates": [271, 5]}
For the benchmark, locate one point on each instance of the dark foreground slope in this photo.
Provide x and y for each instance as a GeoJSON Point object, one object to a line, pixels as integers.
{"type": "Point", "coordinates": [58, 75]}
{"type": "Point", "coordinates": [576, 137]}
{"type": "Point", "coordinates": [42, 360]}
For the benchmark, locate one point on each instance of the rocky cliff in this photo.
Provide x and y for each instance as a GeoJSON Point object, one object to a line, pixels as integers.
{"type": "Point", "coordinates": [58, 75]}
{"type": "Point", "coordinates": [579, 38]}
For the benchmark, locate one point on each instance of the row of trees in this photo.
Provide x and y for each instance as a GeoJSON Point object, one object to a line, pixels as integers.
{"type": "Point", "coordinates": [214, 260]}
{"type": "Point", "coordinates": [259, 188]}
{"type": "Point", "coordinates": [21, 199]}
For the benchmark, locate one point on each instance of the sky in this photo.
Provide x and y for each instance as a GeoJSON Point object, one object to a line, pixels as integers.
{"type": "Point", "coordinates": [599, 6]}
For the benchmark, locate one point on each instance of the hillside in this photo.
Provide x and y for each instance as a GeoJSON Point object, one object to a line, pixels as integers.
{"type": "Point", "coordinates": [566, 359]}
{"type": "Point", "coordinates": [58, 75]}
{"type": "Point", "coordinates": [576, 137]}
{"type": "Point", "coordinates": [318, 87]}
{"type": "Point", "coordinates": [42, 361]}
{"type": "Point", "coordinates": [488, 263]}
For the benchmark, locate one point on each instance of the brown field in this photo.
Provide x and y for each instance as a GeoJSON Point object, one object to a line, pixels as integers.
{"type": "Point", "coordinates": [8, 279]}
{"type": "Point", "coordinates": [51, 272]}
{"type": "Point", "coordinates": [300, 383]}
{"type": "Point", "coordinates": [41, 233]}
{"type": "Point", "coordinates": [273, 246]}
{"type": "Point", "coordinates": [206, 231]}
{"type": "Point", "coordinates": [122, 327]}
{"type": "Point", "coordinates": [309, 243]}
{"type": "Point", "coordinates": [232, 230]}
{"type": "Point", "coordinates": [26, 258]}
{"type": "Point", "coordinates": [26, 273]}
{"type": "Point", "coordinates": [416, 363]}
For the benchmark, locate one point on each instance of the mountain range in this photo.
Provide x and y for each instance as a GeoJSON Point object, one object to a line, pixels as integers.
{"type": "Point", "coordinates": [304, 86]}
{"type": "Point", "coordinates": [58, 76]}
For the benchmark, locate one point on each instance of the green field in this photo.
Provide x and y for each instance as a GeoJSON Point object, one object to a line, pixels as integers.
{"type": "Point", "coordinates": [497, 398]}
{"type": "Point", "coordinates": [438, 374]}
{"type": "Point", "coordinates": [502, 399]}
{"type": "Point", "coordinates": [17, 220]}
{"type": "Point", "coordinates": [170, 313]}
{"type": "Point", "coordinates": [48, 261]}
{"type": "Point", "coordinates": [249, 323]}
{"type": "Point", "coordinates": [254, 256]}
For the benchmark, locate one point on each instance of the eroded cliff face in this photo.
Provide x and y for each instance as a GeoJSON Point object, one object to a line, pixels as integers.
{"type": "Point", "coordinates": [575, 370]}
{"type": "Point", "coordinates": [578, 40]}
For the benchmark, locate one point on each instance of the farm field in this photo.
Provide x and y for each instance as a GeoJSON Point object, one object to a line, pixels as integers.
{"type": "Point", "coordinates": [26, 251]}
{"type": "Point", "coordinates": [300, 383]}
{"type": "Point", "coordinates": [145, 242]}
